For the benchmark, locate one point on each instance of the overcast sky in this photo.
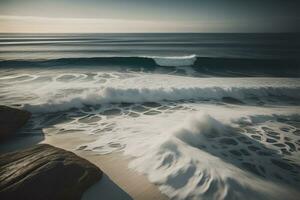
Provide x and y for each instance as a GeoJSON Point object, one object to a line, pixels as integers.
{"type": "Point", "coordinates": [149, 16]}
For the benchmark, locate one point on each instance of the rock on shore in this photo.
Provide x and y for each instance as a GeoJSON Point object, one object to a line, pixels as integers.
{"type": "Point", "coordinates": [11, 119]}
{"type": "Point", "coordinates": [45, 172]}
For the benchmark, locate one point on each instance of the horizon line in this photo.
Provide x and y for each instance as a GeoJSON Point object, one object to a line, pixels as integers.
{"type": "Point", "coordinates": [283, 32]}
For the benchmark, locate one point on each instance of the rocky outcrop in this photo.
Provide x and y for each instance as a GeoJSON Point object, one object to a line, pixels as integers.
{"type": "Point", "coordinates": [44, 172]}
{"type": "Point", "coordinates": [10, 120]}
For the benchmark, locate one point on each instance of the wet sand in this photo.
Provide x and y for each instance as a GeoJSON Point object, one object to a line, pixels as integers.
{"type": "Point", "coordinates": [119, 181]}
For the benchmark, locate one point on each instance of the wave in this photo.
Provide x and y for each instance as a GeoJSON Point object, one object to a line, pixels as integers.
{"type": "Point", "coordinates": [175, 61]}
{"type": "Point", "coordinates": [192, 161]}
{"type": "Point", "coordinates": [203, 65]}
{"type": "Point", "coordinates": [108, 95]}
{"type": "Point", "coordinates": [172, 61]}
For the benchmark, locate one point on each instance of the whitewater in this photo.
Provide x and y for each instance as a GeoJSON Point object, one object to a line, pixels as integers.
{"type": "Point", "coordinates": [199, 123]}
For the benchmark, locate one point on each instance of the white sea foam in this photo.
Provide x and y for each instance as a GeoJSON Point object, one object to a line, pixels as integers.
{"type": "Point", "coordinates": [63, 91]}
{"type": "Point", "coordinates": [184, 172]}
{"type": "Point", "coordinates": [175, 61]}
{"type": "Point", "coordinates": [181, 133]}
{"type": "Point", "coordinates": [107, 95]}
{"type": "Point", "coordinates": [176, 160]}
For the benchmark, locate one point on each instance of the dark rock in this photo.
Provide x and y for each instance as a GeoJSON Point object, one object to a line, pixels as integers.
{"type": "Point", "coordinates": [11, 119]}
{"type": "Point", "coordinates": [45, 172]}
{"type": "Point", "coordinates": [232, 100]}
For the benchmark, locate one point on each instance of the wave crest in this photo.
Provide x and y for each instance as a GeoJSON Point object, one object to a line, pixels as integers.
{"type": "Point", "coordinates": [139, 95]}
{"type": "Point", "coordinates": [201, 65]}
{"type": "Point", "coordinates": [141, 61]}
{"type": "Point", "coordinates": [179, 61]}
{"type": "Point", "coordinates": [188, 163]}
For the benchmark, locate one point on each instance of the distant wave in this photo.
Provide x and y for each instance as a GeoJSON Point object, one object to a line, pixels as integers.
{"type": "Point", "coordinates": [203, 65]}
{"type": "Point", "coordinates": [142, 61]}
{"type": "Point", "coordinates": [175, 61]}
{"type": "Point", "coordinates": [141, 95]}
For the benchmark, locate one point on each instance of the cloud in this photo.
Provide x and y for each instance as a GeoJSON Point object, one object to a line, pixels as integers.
{"type": "Point", "coordinates": [35, 24]}
{"type": "Point", "coordinates": [52, 24]}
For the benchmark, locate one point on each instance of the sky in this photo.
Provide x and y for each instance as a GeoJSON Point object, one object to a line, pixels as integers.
{"type": "Point", "coordinates": [107, 16]}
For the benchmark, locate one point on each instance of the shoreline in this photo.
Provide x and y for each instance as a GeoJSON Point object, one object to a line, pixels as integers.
{"type": "Point", "coordinates": [114, 166]}
{"type": "Point", "coordinates": [118, 182]}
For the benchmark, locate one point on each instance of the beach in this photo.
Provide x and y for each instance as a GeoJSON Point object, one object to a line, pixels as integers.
{"type": "Point", "coordinates": [164, 116]}
{"type": "Point", "coordinates": [118, 181]}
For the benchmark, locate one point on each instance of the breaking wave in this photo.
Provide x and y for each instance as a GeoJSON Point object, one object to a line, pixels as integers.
{"type": "Point", "coordinates": [176, 61]}
{"type": "Point", "coordinates": [107, 95]}
{"type": "Point", "coordinates": [193, 161]}
{"type": "Point", "coordinates": [114, 60]}
{"type": "Point", "coordinates": [205, 65]}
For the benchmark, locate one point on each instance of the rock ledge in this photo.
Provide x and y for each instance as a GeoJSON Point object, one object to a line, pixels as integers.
{"type": "Point", "coordinates": [45, 172]}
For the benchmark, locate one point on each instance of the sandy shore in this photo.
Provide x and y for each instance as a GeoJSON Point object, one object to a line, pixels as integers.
{"type": "Point", "coordinates": [119, 182]}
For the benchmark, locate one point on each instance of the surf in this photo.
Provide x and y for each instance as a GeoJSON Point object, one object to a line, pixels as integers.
{"type": "Point", "coordinates": [202, 116]}
{"type": "Point", "coordinates": [76, 90]}
{"type": "Point", "coordinates": [199, 66]}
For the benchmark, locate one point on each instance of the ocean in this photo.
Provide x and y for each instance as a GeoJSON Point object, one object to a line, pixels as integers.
{"type": "Point", "coordinates": [203, 116]}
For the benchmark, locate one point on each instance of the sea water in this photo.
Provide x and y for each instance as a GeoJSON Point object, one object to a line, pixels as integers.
{"type": "Point", "coordinates": [204, 116]}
